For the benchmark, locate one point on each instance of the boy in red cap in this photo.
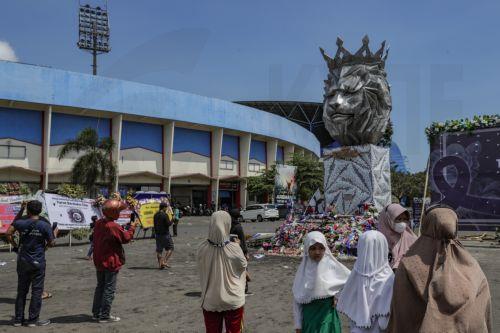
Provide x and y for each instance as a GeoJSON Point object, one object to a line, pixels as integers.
{"type": "Point", "coordinates": [109, 257]}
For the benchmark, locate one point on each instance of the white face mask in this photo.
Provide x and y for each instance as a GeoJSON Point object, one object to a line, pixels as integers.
{"type": "Point", "coordinates": [400, 227]}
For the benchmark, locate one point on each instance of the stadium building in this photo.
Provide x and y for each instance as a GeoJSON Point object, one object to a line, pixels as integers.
{"type": "Point", "coordinates": [199, 149]}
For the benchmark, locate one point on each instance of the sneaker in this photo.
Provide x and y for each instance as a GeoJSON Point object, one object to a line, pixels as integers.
{"type": "Point", "coordinates": [95, 318]}
{"type": "Point", "coordinates": [17, 323]}
{"type": "Point", "coordinates": [249, 294]}
{"type": "Point", "coordinates": [110, 319]}
{"type": "Point", "coordinates": [38, 323]}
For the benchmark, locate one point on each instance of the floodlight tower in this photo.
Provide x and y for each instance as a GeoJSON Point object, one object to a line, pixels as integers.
{"type": "Point", "coordinates": [93, 32]}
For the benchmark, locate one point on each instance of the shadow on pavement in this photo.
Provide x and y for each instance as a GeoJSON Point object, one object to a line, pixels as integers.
{"type": "Point", "coordinates": [193, 294]}
{"type": "Point", "coordinates": [4, 300]}
{"type": "Point", "coordinates": [72, 319]}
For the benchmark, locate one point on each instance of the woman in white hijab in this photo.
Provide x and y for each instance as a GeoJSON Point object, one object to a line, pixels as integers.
{"type": "Point", "coordinates": [318, 279]}
{"type": "Point", "coordinates": [366, 297]}
{"type": "Point", "coordinates": [222, 266]}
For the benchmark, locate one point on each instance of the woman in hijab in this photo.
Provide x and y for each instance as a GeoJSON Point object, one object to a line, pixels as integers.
{"type": "Point", "coordinates": [366, 297]}
{"type": "Point", "coordinates": [222, 266]}
{"type": "Point", "coordinates": [439, 286]}
{"type": "Point", "coordinates": [394, 223]}
{"type": "Point", "coordinates": [318, 279]}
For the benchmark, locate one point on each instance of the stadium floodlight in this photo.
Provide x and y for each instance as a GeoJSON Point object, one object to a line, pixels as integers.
{"type": "Point", "coordinates": [93, 32]}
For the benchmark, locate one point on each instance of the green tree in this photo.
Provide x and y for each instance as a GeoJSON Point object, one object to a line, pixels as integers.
{"type": "Point", "coordinates": [263, 184]}
{"type": "Point", "coordinates": [407, 184]}
{"type": "Point", "coordinates": [309, 175]}
{"type": "Point", "coordinates": [95, 164]}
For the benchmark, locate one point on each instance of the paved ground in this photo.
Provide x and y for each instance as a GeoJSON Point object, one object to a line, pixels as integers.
{"type": "Point", "coordinates": [149, 300]}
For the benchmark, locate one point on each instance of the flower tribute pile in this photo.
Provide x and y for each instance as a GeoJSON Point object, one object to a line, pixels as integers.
{"type": "Point", "coordinates": [341, 232]}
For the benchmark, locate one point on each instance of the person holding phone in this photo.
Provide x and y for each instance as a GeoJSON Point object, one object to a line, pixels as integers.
{"type": "Point", "coordinates": [55, 230]}
{"type": "Point", "coordinates": [35, 236]}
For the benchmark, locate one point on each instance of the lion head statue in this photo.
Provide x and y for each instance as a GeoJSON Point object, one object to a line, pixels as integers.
{"type": "Point", "coordinates": [357, 100]}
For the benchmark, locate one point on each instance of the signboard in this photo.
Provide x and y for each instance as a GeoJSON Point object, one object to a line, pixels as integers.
{"type": "Point", "coordinates": [70, 213]}
{"type": "Point", "coordinates": [285, 185]}
{"type": "Point", "coordinates": [465, 174]}
{"type": "Point", "coordinates": [147, 212]}
{"type": "Point", "coordinates": [7, 214]}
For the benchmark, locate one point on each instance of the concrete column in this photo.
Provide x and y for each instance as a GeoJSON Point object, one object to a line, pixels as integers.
{"type": "Point", "coordinates": [47, 125]}
{"type": "Point", "coordinates": [116, 135]}
{"type": "Point", "coordinates": [245, 142]}
{"type": "Point", "coordinates": [272, 149]}
{"type": "Point", "coordinates": [289, 151]}
{"type": "Point", "coordinates": [168, 148]}
{"type": "Point", "coordinates": [217, 136]}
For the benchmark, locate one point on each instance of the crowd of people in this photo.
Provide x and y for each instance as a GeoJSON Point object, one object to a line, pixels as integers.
{"type": "Point", "coordinates": [399, 282]}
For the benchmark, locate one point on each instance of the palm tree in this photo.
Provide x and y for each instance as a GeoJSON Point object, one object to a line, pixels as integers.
{"type": "Point", "coordinates": [95, 164]}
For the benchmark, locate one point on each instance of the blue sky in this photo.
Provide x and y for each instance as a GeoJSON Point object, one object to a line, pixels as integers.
{"type": "Point", "coordinates": [443, 62]}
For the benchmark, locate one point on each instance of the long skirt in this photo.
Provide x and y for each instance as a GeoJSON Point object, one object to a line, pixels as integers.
{"type": "Point", "coordinates": [320, 317]}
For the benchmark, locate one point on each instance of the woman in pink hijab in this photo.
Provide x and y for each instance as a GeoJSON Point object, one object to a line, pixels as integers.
{"type": "Point", "coordinates": [394, 223]}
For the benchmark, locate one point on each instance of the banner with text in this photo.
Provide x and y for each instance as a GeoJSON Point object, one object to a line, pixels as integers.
{"type": "Point", "coordinates": [285, 187]}
{"type": "Point", "coordinates": [70, 213]}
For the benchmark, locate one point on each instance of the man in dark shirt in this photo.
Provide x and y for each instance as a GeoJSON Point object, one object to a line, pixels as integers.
{"type": "Point", "coordinates": [35, 236]}
{"type": "Point", "coordinates": [237, 229]}
{"type": "Point", "coordinates": [162, 223]}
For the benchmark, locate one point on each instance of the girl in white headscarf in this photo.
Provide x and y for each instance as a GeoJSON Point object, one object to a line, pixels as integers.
{"type": "Point", "coordinates": [366, 297]}
{"type": "Point", "coordinates": [318, 279]}
{"type": "Point", "coordinates": [222, 266]}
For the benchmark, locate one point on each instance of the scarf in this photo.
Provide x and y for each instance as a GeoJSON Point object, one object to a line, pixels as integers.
{"type": "Point", "coordinates": [368, 291]}
{"type": "Point", "coordinates": [221, 267]}
{"type": "Point", "coordinates": [398, 243]}
{"type": "Point", "coordinates": [439, 286]}
{"type": "Point", "coordinates": [316, 280]}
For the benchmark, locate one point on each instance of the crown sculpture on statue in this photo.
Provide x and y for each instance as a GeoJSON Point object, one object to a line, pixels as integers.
{"type": "Point", "coordinates": [357, 99]}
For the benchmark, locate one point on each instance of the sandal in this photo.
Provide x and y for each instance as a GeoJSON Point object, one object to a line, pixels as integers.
{"type": "Point", "coordinates": [46, 295]}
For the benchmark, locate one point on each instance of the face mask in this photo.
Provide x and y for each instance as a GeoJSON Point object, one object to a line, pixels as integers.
{"type": "Point", "coordinates": [400, 227]}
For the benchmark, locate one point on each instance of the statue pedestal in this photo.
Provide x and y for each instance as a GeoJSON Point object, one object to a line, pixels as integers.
{"type": "Point", "coordinates": [355, 175]}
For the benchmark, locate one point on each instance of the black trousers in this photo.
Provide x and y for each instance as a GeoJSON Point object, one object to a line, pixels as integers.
{"type": "Point", "coordinates": [174, 227]}
{"type": "Point", "coordinates": [104, 293]}
{"type": "Point", "coordinates": [28, 275]}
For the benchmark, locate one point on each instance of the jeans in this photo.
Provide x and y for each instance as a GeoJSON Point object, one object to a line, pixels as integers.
{"type": "Point", "coordinates": [91, 249]}
{"type": "Point", "coordinates": [104, 293]}
{"type": "Point", "coordinates": [27, 276]}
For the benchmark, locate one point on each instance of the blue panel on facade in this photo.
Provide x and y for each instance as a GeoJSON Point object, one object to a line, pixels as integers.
{"type": "Point", "coordinates": [280, 155]}
{"type": "Point", "coordinates": [193, 141]}
{"type": "Point", "coordinates": [142, 135]}
{"type": "Point", "coordinates": [22, 125]}
{"type": "Point", "coordinates": [231, 146]}
{"type": "Point", "coordinates": [66, 127]}
{"type": "Point", "coordinates": [258, 151]}
{"type": "Point", "coordinates": [50, 86]}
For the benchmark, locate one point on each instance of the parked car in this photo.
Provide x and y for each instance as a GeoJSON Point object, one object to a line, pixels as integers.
{"type": "Point", "coordinates": [260, 212]}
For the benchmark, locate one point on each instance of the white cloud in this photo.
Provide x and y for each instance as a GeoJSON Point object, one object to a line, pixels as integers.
{"type": "Point", "coordinates": [7, 52]}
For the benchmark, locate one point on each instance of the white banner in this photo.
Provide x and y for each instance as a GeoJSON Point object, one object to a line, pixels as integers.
{"type": "Point", "coordinates": [14, 198]}
{"type": "Point", "coordinates": [70, 213]}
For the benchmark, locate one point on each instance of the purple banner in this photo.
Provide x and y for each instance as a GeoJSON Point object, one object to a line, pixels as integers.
{"type": "Point", "coordinates": [465, 174]}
